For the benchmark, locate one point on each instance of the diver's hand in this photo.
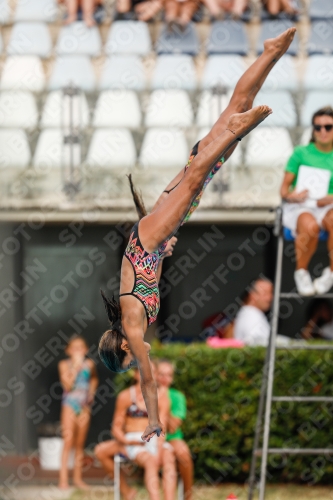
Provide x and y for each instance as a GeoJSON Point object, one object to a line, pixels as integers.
{"type": "Point", "coordinates": [168, 251]}
{"type": "Point", "coordinates": [151, 430]}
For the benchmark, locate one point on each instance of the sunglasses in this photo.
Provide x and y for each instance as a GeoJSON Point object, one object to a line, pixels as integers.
{"type": "Point", "coordinates": [318, 128]}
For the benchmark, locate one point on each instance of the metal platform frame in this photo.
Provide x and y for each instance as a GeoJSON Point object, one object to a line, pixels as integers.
{"type": "Point", "coordinates": [266, 399]}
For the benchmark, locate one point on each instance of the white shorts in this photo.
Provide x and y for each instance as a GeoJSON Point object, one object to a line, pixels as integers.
{"type": "Point", "coordinates": [132, 451]}
{"type": "Point", "coordinates": [291, 212]}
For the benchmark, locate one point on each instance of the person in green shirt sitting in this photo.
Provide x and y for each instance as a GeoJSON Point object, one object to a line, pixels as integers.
{"type": "Point", "coordinates": [306, 216]}
{"type": "Point", "coordinates": [165, 373]}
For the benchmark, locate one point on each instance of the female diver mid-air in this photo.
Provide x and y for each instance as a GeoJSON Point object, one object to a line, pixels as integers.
{"type": "Point", "coordinates": [123, 346]}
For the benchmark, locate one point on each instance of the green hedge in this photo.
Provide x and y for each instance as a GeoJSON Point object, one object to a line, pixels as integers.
{"type": "Point", "coordinates": [222, 390]}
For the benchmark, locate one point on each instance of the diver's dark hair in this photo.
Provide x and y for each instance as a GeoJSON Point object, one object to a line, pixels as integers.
{"type": "Point", "coordinates": [137, 198]}
{"type": "Point", "coordinates": [325, 111]}
{"type": "Point", "coordinates": [109, 348]}
{"type": "Point", "coordinates": [113, 310]}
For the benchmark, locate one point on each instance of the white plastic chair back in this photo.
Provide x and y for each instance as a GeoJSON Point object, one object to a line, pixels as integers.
{"type": "Point", "coordinates": [169, 108]}
{"type": "Point", "coordinates": [117, 108]}
{"type": "Point", "coordinates": [23, 73]}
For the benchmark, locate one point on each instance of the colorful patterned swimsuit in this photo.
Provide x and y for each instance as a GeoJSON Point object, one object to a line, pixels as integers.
{"type": "Point", "coordinates": [144, 264]}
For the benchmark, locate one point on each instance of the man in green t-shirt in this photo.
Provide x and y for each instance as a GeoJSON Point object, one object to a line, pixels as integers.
{"type": "Point", "coordinates": [165, 372]}
{"type": "Point", "coordinates": [303, 212]}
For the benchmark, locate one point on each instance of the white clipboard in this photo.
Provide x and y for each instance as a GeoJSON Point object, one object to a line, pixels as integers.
{"type": "Point", "coordinates": [315, 180]}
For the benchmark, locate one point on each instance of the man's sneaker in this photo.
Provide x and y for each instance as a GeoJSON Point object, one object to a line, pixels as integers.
{"type": "Point", "coordinates": [324, 282]}
{"type": "Point", "coordinates": [303, 282]}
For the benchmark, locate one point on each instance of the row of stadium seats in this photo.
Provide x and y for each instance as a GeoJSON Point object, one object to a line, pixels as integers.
{"type": "Point", "coordinates": [47, 10]}
{"type": "Point", "coordinates": [29, 10]}
{"type": "Point", "coordinates": [114, 148]}
{"type": "Point", "coordinates": [168, 71]}
{"type": "Point", "coordinates": [164, 108]}
{"type": "Point", "coordinates": [132, 37]}
{"type": "Point", "coordinates": [252, 175]}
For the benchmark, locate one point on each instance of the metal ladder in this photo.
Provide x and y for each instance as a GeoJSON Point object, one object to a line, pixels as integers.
{"type": "Point", "coordinates": [266, 399]}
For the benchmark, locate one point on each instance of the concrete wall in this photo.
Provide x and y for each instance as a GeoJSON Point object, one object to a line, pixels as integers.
{"type": "Point", "coordinates": [12, 383]}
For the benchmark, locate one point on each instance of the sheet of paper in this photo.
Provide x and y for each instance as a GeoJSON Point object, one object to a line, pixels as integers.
{"type": "Point", "coordinates": [315, 180]}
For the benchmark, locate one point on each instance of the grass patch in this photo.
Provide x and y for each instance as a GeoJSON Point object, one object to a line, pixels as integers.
{"type": "Point", "coordinates": [274, 492]}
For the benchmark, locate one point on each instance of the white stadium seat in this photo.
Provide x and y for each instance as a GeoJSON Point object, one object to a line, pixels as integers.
{"type": "Point", "coordinates": [268, 147]}
{"type": "Point", "coordinates": [266, 155]}
{"type": "Point", "coordinates": [111, 149]}
{"type": "Point", "coordinates": [319, 73]}
{"type": "Point", "coordinates": [18, 110]}
{"type": "Point", "coordinates": [48, 153]}
{"type": "Point", "coordinates": [128, 37]}
{"type": "Point", "coordinates": [174, 72]}
{"type": "Point", "coordinates": [282, 104]}
{"type": "Point", "coordinates": [14, 149]}
{"type": "Point", "coordinates": [164, 152]}
{"type": "Point", "coordinates": [283, 75]}
{"type": "Point", "coordinates": [52, 115]}
{"type": "Point", "coordinates": [36, 10]}
{"type": "Point", "coordinates": [117, 108]}
{"type": "Point", "coordinates": [30, 38]}
{"type": "Point", "coordinates": [77, 38]}
{"type": "Point", "coordinates": [253, 189]}
{"type": "Point", "coordinates": [164, 148]}
{"type": "Point", "coordinates": [123, 72]}
{"type": "Point", "coordinates": [23, 73]}
{"type": "Point", "coordinates": [4, 12]}
{"type": "Point", "coordinates": [75, 70]}
{"type": "Point", "coordinates": [222, 70]}
{"type": "Point", "coordinates": [169, 108]}
{"type": "Point", "coordinates": [210, 107]}
{"type": "Point", "coordinates": [315, 100]}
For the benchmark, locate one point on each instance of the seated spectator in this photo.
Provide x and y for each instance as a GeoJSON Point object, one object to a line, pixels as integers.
{"type": "Point", "coordinates": [275, 7]}
{"type": "Point", "coordinates": [251, 324]}
{"type": "Point", "coordinates": [178, 13]}
{"type": "Point", "coordinates": [319, 320]}
{"type": "Point", "coordinates": [143, 9]}
{"type": "Point", "coordinates": [129, 422]}
{"type": "Point", "coordinates": [87, 7]}
{"type": "Point", "coordinates": [234, 7]}
{"type": "Point", "coordinates": [306, 216]}
{"type": "Point", "coordinates": [165, 373]}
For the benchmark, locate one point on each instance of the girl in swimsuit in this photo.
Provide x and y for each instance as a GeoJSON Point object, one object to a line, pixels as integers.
{"type": "Point", "coordinates": [129, 420]}
{"type": "Point", "coordinates": [79, 380]}
{"type": "Point", "coordinates": [123, 344]}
